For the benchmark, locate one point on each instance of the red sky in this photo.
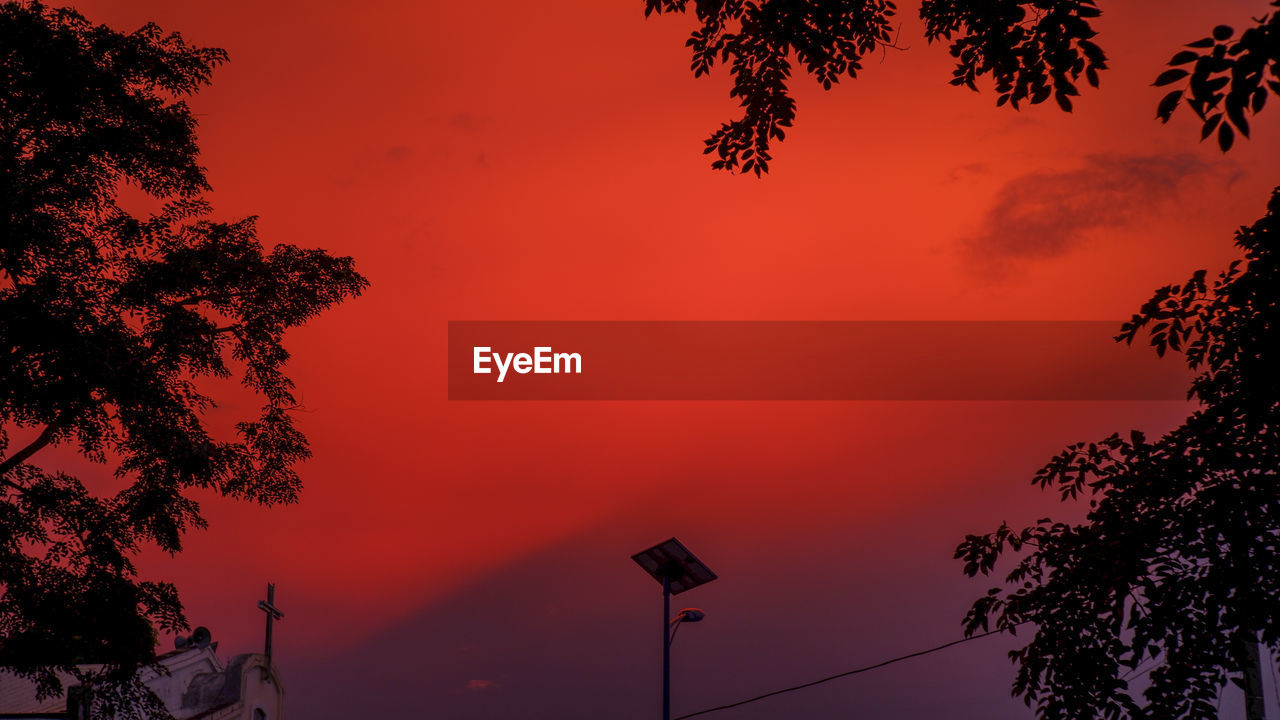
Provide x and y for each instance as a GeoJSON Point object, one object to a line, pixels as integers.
{"type": "Point", "coordinates": [542, 161]}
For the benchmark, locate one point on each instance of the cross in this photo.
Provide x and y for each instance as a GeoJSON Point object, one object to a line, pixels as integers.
{"type": "Point", "coordinates": [273, 613]}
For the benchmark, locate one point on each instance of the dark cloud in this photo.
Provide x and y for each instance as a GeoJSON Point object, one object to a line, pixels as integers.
{"type": "Point", "coordinates": [1046, 214]}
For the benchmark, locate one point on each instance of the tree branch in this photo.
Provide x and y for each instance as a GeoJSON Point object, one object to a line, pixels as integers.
{"type": "Point", "coordinates": [207, 297]}
{"type": "Point", "coordinates": [45, 437]}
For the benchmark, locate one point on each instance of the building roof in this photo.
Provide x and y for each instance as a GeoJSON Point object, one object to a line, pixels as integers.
{"type": "Point", "coordinates": [195, 684]}
{"type": "Point", "coordinates": [18, 697]}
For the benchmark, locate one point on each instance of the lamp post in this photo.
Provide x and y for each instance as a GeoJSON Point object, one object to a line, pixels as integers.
{"type": "Point", "coordinates": [672, 565]}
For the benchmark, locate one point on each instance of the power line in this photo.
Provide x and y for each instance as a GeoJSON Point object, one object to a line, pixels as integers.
{"type": "Point", "coordinates": [1135, 673]}
{"type": "Point", "coordinates": [847, 673]}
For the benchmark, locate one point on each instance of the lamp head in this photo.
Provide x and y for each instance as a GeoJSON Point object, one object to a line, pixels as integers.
{"type": "Point", "coordinates": [689, 615]}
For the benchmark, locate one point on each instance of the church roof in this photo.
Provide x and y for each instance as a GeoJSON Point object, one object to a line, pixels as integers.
{"type": "Point", "coordinates": [195, 685]}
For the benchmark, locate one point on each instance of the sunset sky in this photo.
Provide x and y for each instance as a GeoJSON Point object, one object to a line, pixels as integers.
{"type": "Point", "coordinates": [542, 161]}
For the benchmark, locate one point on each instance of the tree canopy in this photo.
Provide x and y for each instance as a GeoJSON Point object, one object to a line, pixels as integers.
{"type": "Point", "coordinates": [1176, 568]}
{"type": "Point", "coordinates": [109, 320]}
{"type": "Point", "coordinates": [1032, 50]}
{"type": "Point", "coordinates": [1173, 571]}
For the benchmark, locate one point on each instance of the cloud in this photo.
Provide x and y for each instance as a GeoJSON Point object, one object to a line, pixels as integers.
{"type": "Point", "coordinates": [1043, 214]}
{"type": "Point", "coordinates": [481, 685]}
{"type": "Point", "coordinates": [374, 164]}
{"type": "Point", "coordinates": [398, 153]}
{"type": "Point", "coordinates": [968, 169]}
{"type": "Point", "coordinates": [468, 121]}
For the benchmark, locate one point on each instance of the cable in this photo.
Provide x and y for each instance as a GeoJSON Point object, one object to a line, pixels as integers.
{"type": "Point", "coordinates": [1136, 673]}
{"type": "Point", "coordinates": [881, 664]}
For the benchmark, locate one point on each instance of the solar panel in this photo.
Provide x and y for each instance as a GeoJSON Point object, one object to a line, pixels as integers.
{"type": "Point", "coordinates": [672, 561]}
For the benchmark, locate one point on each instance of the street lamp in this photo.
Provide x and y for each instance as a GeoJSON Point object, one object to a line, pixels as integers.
{"type": "Point", "coordinates": [684, 616]}
{"type": "Point", "coordinates": [671, 564]}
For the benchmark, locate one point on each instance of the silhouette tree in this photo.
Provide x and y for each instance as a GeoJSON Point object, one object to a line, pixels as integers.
{"type": "Point", "coordinates": [1032, 49]}
{"type": "Point", "coordinates": [109, 321]}
{"type": "Point", "coordinates": [1228, 79]}
{"type": "Point", "coordinates": [1176, 568]}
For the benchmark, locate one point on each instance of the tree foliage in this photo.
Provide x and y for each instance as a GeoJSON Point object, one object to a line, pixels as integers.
{"type": "Point", "coordinates": [1031, 49]}
{"type": "Point", "coordinates": [1176, 567]}
{"type": "Point", "coordinates": [1228, 78]}
{"type": "Point", "coordinates": [758, 39]}
{"type": "Point", "coordinates": [109, 320]}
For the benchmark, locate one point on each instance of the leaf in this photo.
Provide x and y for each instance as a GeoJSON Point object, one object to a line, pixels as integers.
{"type": "Point", "coordinates": [1202, 43]}
{"type": "Point", "coordinates": [1064, 102]}
{"type": "Point", "coordinates": [1168, 104]}
{"type": "Point", "coordinates": [1235, 113]}
{"type": "Point", "coordinates": [1217, 84]}
{"type": "Point", "coordinates": [1184, 57]}
{"type": "Point", "coordinates": [1226, 136]}
{"type": "Point", "coordinates": [1222, 32]}
{"type": "Point", "coordinates": [1210, 125]}
{"type": "Point", "coordinates": [1170, 76]}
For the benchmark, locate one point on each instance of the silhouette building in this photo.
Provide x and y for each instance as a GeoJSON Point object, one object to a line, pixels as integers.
{"type": "Point", "coordinates": [197, 686]}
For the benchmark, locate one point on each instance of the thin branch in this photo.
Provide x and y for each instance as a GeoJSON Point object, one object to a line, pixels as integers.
{"type": "Point", "coordinates": [210, 297]}
{"type": "Point", "coordinates": [885, 46]}
{"type": "Point", "coordinates": [46, 436]}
